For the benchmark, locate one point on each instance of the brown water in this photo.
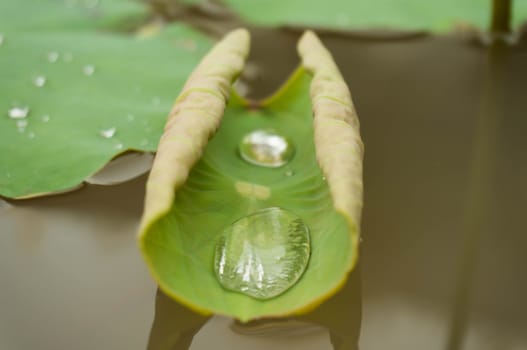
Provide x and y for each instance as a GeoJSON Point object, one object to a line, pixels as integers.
{"type": "Point", "coordinates": [443, 255]}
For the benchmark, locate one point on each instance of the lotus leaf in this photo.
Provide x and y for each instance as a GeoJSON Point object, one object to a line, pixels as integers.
{"type": "Point", "coordinates": [199, 184]}
{"type": "Point", "coordinates": [89, 91]}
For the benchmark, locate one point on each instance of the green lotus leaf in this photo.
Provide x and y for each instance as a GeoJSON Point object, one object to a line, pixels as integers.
{"type": "Point", "coordinates": [196, 189]}
{"type": "Point", "coordinates": [437, 16]}
{"type": "Point", "coordinates": [89, 93]}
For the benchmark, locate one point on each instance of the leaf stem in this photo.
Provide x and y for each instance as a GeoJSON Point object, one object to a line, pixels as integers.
{"type": "Point", "coordinates": [501, 16]}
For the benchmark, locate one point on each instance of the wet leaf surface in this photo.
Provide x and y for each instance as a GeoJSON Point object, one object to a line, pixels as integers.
{"type": "Point", "coordinates": [75, 95]}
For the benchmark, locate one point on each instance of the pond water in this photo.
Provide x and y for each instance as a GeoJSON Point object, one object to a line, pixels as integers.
{"type": "Point", "coordinates": [443, 257]}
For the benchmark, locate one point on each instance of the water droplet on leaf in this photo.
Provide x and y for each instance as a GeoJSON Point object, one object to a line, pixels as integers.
{"type": "Point", "coordinates": [262, 254]}
{"type": "Point", "coordinates": [53, 56]}
{"type": "Point", "coordinates": [156, 101]}
{"type": "Point", "coordinates": [1, 39]}
{"type": "Point", "coordinates": [39, 81]}
{"type": "Point", "coordinates": [88, 70]}
{"type": "Point", "coordinates": [45, 118]}
{"type": "Point", "coordinates": [21, 125]}
{"type": "Point", "coordinates": [18, 112]}
{"type": "Point", "coordinates": [289, 173]}
{"type": "Point", "coordinates": [108, 133]}
{"type": "Point", "coordinates": [266, 148]}
{"type": "Point", "coordinates": [119, 146]}
{"type": "Point", "coordinates": [130, 117]}
{"type": "Point", "coordinates": [31, 135]}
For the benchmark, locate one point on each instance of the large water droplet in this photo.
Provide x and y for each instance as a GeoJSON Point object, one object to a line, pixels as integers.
{"type": "Point", "coordinates": [266, 148]}
{"type": "Point", "coordinates": [39, 81]}
{"type": "Point", "coordinates": [53, 56]}
{"type": "Point", "coordinates": [263, 254]}
{"type": "Point", "coordinates": [18, 112]}
{"type": "Point", "coordinates": [88, 70]}
{"type": "Point", "coordinates": [108, 133]}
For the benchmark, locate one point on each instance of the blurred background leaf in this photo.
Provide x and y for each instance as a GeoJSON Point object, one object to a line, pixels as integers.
{"type": "Point", "coordinates": [88, 89]}
{"type": "Point", "coordinates": [436, 16]}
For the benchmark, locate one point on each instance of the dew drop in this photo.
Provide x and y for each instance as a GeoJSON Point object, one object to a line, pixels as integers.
{"type": "Point", "coordinates": [53, 56]}
{"type": "Point", "coordinates": [144, 142]}
{"type": "Point", "coordinates": [130, 117]}
{"type": "Point", "coordinates": [108, 133]}
{"type": "Point", "coordinates": [88, 70]}
{"type": "Point", "coordinates": [119, 146]}
{"type": "Point", "coordinates": [45, 118]}
{"type": "Point", "coordinates": [156, 101]}
{"type": "Point", "coordinates": [266, 148]}
{"type": "Point", "coordinates": [1, 39]}
{"type": "Point", "coordinates": [262, 254]}
{"type": "Point", "coordinates": [39, 81]}
{"type": "Point", "coordinates": [289, 173]}
{"type": "Point", "coordinates": [21, 125]}
{"type": "Point", "coordinates": [18, 112]}
{"type": "Point", "coordinates": [323, 178]}
{"type": "Point", "coordinates": [31, 135]}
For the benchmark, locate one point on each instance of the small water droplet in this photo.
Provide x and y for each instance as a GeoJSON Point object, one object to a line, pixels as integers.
{"type": "Point", "coordinates": [246, 254]}
{"type": "Point", "coordinates": [45, 118]}
{"type": "Point", "coordinates": [67, 57]}
{"type": "Point", "coordinates": [266, 148]}
{"type": "Point", "coordinates": [53, 56]}
{"type": "Point", "coordinates": [31, 135]}
{"type": "Point", "coordinates": [156, 101]}
{"type": "Point", "coordinates": [323, 178]}
{"type": "Point", "coordinates": [108, 133]}
{"type": "Point", "coordinates": [144, 142]}
{"type": "Point", "coordinates": [289, 173]}
{"type": "Point", "coordinates": [21, 125]}
{"type": "Point", "coordinates": [119, 146]}
{"type": "Point", "coordinates": [88, 70]}
{"type": "Point", "coordinates": [39, 81]}
{"type": "Point", "coordinates": [130, 117]}
{"type": "Point", "coordinates": [2, 38]}
{"type": "Point", "coordinates": [18, 112]}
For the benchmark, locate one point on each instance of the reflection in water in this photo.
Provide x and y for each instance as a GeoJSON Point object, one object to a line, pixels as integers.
{"type": "Point", "coordinates": [333, 325]}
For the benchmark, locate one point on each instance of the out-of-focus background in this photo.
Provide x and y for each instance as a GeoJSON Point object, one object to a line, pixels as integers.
{"type": "Point", "coordinates": [440, 91]}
